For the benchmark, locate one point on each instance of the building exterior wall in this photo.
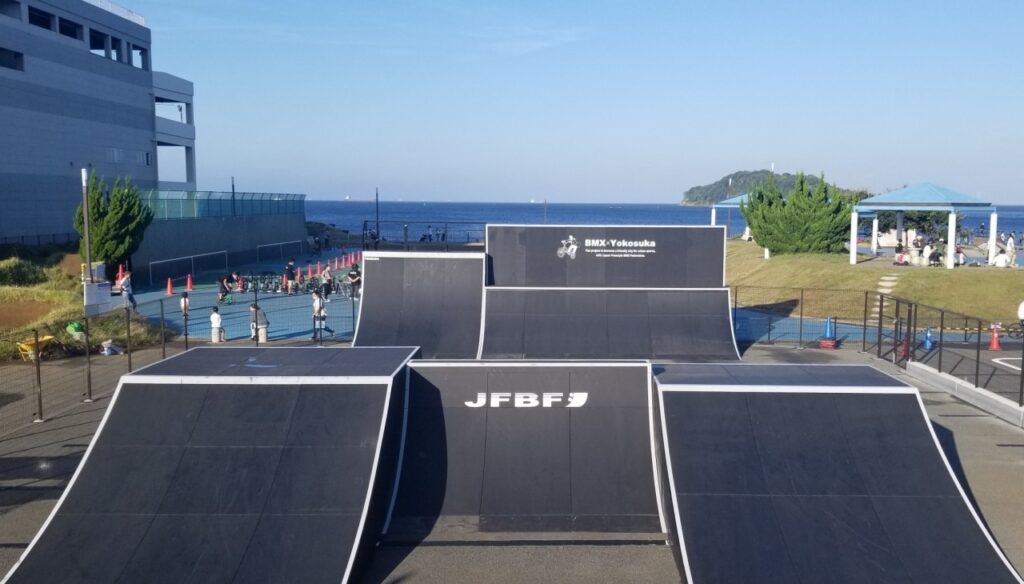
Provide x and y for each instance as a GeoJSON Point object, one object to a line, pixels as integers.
{"type": "Point", "coordinates": [69, 109]}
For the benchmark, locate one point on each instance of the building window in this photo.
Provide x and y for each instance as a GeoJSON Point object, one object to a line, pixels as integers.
{"type": "Point", "coordinates": [12, 60]}
{"type": "Point", "coordinates": [70, 28]}
{"type": "Point", "coordinates": [140, 57]}
{"type": "Point", "coordinates": [41, 18]}
{"type": "Point", "coordinates": [10, 8]}
{"type": "Point", "coordinates": [149, 159]}
{"type": "Point", "coordinates": [117, 49]}
{"type": "Point", "coordinates": [98, 43]}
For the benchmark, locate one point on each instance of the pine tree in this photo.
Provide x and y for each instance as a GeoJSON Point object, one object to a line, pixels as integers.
{"type": "Point", "coordinates": [804, 221]}
{"type": "Point", "coordinates": [117, 221]}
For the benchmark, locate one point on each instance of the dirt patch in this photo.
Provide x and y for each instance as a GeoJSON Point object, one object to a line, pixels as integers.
{"type": "Point", "coordinates": [19, 313]}
{"type": "Point", "coordinates": [72, 264]}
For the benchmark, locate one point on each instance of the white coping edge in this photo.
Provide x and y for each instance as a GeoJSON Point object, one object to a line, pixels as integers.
{"type": "Point", "coordinates": [258, 379]}
{"type": "Point", "coordinates": [426, 363]}
{"type": "Point", "coordinates": [994, 404]}
{"type": "Point", "coordinates": [935, 439]}
{"type": "Point", "coordinates": [632, 289]}
{"type": "Point", "coordinates": [810, 365]}
{"type": "Point", "coordinates": [370, 484]}
{"type": "Point", "coordinates": [423, 254]}
{"type": "Point", "coordinates": [376, 255]}
{"type": "Point", "coordinates": [710, 388]}
{"type": "Point", "coordinates": [498, 363]}
{"type": "Point", "coordinates": [589, 225]}
{"type": "Point", "coordinates": [401, 455]}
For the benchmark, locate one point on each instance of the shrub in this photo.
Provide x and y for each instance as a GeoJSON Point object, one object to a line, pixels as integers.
{"type": "Point", "coordinates": [18, 272]}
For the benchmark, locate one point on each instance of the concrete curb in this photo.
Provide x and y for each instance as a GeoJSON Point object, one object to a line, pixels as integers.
{"type": "Point", "coordinates": [996, 405]}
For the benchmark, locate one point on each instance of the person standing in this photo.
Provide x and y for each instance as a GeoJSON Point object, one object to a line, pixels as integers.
{"type": "Point", "coordinates": [289, 277]}
{"type": "Point", "coordinates": [320, 317]}
{"type": "Point", "coordinates": [327, 282]}
{"type": "Point", "coordinates": [216, 326]}
{"type": "Point", "coordinates": [355, 278]}
{"type": "Point", "coordinates": [125, 284]}
{"type": "Point", "coordinates": [257, 320]}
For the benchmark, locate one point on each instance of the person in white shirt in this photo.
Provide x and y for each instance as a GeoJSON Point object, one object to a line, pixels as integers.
{"type": "Point", "coordinates": [1020, 313]}
{"type": "Point", "coordinates": [216, 326]}
{"type": "Point", "coordinates": [1001, 260]}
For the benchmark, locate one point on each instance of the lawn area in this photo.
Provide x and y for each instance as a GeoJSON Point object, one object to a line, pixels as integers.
{"type": "Point", "coordinates": [989, 293]}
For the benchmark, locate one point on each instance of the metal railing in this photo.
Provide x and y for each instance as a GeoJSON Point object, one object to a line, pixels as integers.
{"type": "Point", "coordinates": [422, 235]}
{"type": "Point", "coordinates": [892, 328]}
{"type": "Point", "coordinates": [54, 367]}
{"type": "Point", "coordinates": [39, 238]}
{"type": "Point", "coordinates": [51, 368]}
{"type": "Point", "coordinates": [196, 204]}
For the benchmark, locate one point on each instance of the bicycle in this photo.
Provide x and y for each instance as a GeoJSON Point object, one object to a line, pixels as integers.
{"type": "Point", "coordinates": [1015, 330]}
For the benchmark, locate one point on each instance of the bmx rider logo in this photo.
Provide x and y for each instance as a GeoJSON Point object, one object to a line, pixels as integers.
{"type": "Point", "coordinates": [569, 247]}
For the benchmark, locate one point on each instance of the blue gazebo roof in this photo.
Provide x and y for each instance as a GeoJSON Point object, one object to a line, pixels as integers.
{"type": "Point", "coordinates": [732, 203]}
{"type": "Point", "coordinates": [921, 197]}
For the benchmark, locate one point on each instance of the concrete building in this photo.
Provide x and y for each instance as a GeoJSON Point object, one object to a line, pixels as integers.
{"type": "Point", "coordinates": [77, 90]}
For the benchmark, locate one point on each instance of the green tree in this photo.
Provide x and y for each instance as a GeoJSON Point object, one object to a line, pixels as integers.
{"type": "Point", "coordinates": [804, 221]}
{"type": "Point", "coordinates": [117, 221]}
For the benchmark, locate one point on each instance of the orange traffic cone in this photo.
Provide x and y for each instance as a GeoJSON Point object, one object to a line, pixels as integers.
{"type": "Point", "coordinates": [335, 263]}
{"type": "Point", "coordinates": [284, 282]}
{"type": "Point", "coordinates": [309, 270]}
{"type": "Point", "coordinates": [994, 345]}
{"type": "Point", "coordinates": [318, 270]}
{"type": "Point", "coordinates": [241, 283]}
{"type": "Point", "coordinates": [188, 283]}
{"type": "Point", "coordinates": [170, 287]}
{"type": "Point", "coordinates": [120, 272]}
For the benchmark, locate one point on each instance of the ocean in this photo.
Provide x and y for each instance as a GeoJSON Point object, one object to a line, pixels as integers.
{"type": "Point", "coordinates": [464, 221]}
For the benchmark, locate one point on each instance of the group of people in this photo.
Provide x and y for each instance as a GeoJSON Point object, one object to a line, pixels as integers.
{"type": "Point", "coordinates": [257, 316]}
{"type": "Point", "coordinates": [931, 250]}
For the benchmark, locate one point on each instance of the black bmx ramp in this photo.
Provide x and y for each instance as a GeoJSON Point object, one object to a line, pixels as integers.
{"type": "Point", "coordinates": [650, 256]}
{"type": "Point", "coordinates": [611, 323]}
{"type": "Point", "coordinates": [786, 474]}
{"type": "Point", "coordinates": [429, 300]}
{"type": "Point", "coordinates": [525, 448]}
{"type": "Point", "coordinates": [247, 471]}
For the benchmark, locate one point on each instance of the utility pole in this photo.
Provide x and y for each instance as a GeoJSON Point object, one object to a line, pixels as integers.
{"type": "Point", "coordinates": [85, 223]}
{"type": "Point", "coordinates": [376, 200]}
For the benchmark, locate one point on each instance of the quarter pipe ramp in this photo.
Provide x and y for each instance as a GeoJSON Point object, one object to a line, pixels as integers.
{"type": "Point", "coordinates": [814, 474]}
{"type": "Point", "coordinates": [429, 300]}
{"type": "Point", "coordinates": [610, 323]}
{"type": "Point", "coordinates": [244, 476]}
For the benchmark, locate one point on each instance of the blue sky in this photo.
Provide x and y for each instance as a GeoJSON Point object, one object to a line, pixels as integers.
{"type": "Point", "coordinates": [600, 100]}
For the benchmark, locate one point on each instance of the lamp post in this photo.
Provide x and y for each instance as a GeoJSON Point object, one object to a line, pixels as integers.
{"type": "Point", "coordinates": [85, 223]}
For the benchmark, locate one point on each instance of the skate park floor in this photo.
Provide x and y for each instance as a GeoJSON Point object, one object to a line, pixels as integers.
{"type": "Point", "coordinates": [37, 461]}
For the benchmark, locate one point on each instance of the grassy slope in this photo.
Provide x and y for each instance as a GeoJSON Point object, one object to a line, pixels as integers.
{"type": "Point", "coordinates": [64, 290]}
{"type": "Point", "coordinates": [988, 293]}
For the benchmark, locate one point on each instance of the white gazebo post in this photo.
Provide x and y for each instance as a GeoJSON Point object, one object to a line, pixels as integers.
{"type": "Point", "coordinates": [853, 238]}
{"type": "Point", "coordinates": [874, 236]}
{"type": "Point", "coordinates": [951, 240]}
{"type": "Point", "coordinates": [713, 214]}
{"type": "Point", "coordinates": [993, 224]}
{"type": "Point", "coordinates": [899, 226]}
